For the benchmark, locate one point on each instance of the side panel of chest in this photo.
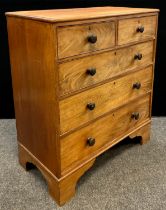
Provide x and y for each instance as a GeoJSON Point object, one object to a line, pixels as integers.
{"type": "Point", "coordinates": [32, 56]}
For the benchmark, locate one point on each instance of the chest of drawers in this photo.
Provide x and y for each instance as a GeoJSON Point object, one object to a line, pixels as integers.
{"type": "Point", "coordinates": [82, 82]}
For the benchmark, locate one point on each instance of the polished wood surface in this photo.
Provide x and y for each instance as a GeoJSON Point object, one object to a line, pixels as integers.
{"type": "Point", "coordinates": [60, 189]}
{"type": "Point", "coordinates": [61, 15]}
{"type": "Point", "coordinates": [127, 29]}
{"type": "Point", "coordinates": [73, 75]}
{"type": "Point", "coordinates": [143, 132]}
{"type": "Point", "coordinates": [73, 40]}
{"type": "Point", "coordinates": [32, 61]}
{"type": "Point", "coordinates": [106, 97]}
{"type": "Point", "coordinates": [65, 116]}
{"type": "Point", "coordinates": [74, 147]}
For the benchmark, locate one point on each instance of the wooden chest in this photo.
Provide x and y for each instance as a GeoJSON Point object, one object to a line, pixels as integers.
{"type": "Point", "coordinates": [82, 82]}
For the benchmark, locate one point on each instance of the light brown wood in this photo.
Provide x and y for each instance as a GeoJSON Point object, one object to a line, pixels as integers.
{"type": "Point", "coordinates": [73, 40]}
{"type": "Point", "coordinates": [74, 111]}
{"type": "Point", "coordinates": [51, 92]}
{"type": "Point", "coordinates": [35, 94]}
{"type": "Point", "coordinates": [143, 132]}
{"type": "Point", "coordinates": [127, 29]}
{"type": "Point", "coordinates": [73, 76]}
{"type": "Point", "coordinates": [60, 189]}
{"type": "Point", "coordinates": [61, 15]}
{"type": "Point", "coordinates": [154, 56]}
{"type": "Point", "coordinates": [74, 147]}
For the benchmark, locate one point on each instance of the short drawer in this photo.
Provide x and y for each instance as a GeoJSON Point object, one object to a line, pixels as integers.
{"type": "Point", "coordinates": [136, 29]}
{"type": "Point", "coordinates": [84, 72]}
{"type": "Point", "coordinates": [88, 105]}
{"type": "Point", "coordinates": [77, 39]}
{"type": "Point", "coordinates": [87, 141]}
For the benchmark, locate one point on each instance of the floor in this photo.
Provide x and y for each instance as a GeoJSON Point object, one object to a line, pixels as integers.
{"type": "Point", "coordinates": [126, 177]}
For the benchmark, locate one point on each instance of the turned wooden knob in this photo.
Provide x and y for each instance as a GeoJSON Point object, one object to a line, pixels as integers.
{"type": "Point", "coordinates": [92, 39]}
{"type": "Point", "coordinates": [137, 85]}
{"type": "Point", "coordinates": [91, 71]}
{"type": "Point", "coordinates": [91, 106]}
{"type": "Point", "coordinates": [135, 115]}
{"type": "Point", "coordinates": [138, 56]}
{"type": "Point", "coordinates": [140, 29]}
{"type": "Point", "coordinates": [90, 141]}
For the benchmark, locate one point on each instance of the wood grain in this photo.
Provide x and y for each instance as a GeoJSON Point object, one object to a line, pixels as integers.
{"type": "Point", "coordinates": [73, 76]}
{"type": "Point", "coordinates": [60, 189]}
{"type": "Point", "coordinates": [61, 15]}
{"type": "Point", "coordinates": [34, 84]}
{"type": "Point", "coordinates": [74, 112]}
{"type": "Point", "coordinates": [127, 29]}
{"type": "Point", "coordinates": [49, 57]}
{"type": "Point", "coordinates": [74, 147]}
{"type": "Point", "coordinates": [73, 40]}
{"type": "Point", "coordinates": [143, 132]}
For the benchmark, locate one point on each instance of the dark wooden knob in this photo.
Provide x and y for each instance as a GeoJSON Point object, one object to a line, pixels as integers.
{"type": "Point", "coordinates": [91, 106]}
{"type": "Point", "coordinates": [140, 29]}
{"type": "Point", "coordinates": [135, 115]}
{"type": "Point", "coordinates": [138, 56]}
{"type": "Point", "coordinates": [91, 71]}
{"type": "Point", "coordinates": [92, 39]}
{"type": "Point", "coordinates": [90, 141]}
{"type": "Point", "coordinates": [137, 85]}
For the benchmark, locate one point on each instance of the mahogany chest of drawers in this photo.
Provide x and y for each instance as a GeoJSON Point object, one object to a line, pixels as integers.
{"type": "Point", "coordinates": [82, 82]}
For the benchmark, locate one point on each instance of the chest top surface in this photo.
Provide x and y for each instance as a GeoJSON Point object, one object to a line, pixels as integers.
{"type": "Point", "coordinates": [61, 15]}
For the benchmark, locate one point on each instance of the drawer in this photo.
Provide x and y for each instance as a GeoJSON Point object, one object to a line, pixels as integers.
{"type": "Point", "coordinates": [78, 146]}
{"type": "Point", "coordinates": [76, 74]}
{"type": "Point", "coordinates": [88, 105]}
{"type": "Point", "coordinates": [136, 29]}
{"type": "Point", "coordinates": [77, 39]}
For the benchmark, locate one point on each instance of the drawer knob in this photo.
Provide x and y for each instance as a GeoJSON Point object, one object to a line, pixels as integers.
{"type": "Point", "coordinates": [140, 29]}
{"type": "Point", "coordinates": [90, 141]}
{"type": "Point", "coordinates": [91, 106]}
{"type": "Point", "coordinates": [135, 115]}
{"type": "Point", "coordinates": [92, 39]}
{"type": "Point", "coordinates": [137, 85]}
{"type": "Point", "coordinates": [138, 56]}
{"type": "Point", "coordinates": [91, 71]}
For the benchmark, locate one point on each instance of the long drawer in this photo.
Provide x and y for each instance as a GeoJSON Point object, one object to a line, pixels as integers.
{"type": "Point", "coordinates": [136, 29]}
{"type": "Point", "coordinates": [85, 142]}
{"type": "Point", "coordinates": [78, 39]}
{"type": "Point", "coordinates": [88, 105]}
{"type": "Point", "coordinates": [84, 72]}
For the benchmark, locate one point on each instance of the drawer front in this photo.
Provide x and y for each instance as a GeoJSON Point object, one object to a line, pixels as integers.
{"type": "Point", "coordinates": [78, 147]}
{"type": "Point", "coordinates": [74, 40]}
{"type": "Point", "coordinates": [76, 74]}
{"type": "Point", "coordinates": [136, 29]}
{"type": "Point", "coordinates": [79, 109]}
